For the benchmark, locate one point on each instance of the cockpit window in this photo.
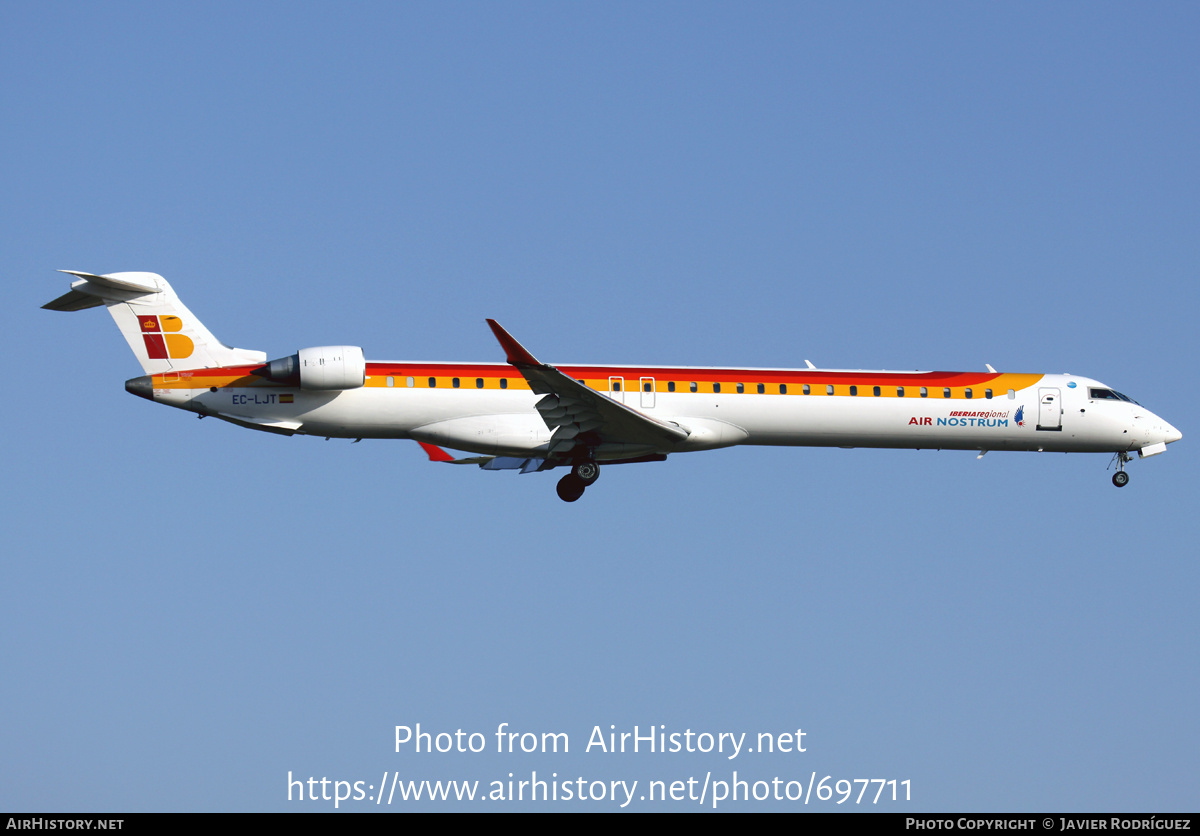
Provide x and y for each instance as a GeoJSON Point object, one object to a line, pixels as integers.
{"type": "Point", "coordinates": [1109, 395]}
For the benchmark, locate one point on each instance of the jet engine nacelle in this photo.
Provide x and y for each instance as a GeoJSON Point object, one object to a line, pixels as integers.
{"type": "Point", "coordinates": [323, 368]}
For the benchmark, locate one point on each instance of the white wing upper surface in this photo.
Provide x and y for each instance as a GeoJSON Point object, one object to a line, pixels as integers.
{"type": "Point", "coordinates": [579, 415]}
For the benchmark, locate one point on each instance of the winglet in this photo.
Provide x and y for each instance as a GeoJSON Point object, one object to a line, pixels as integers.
{"type": "Point", "coordinates": [517, 355]}
{"type": "Point", "coordinates": [435, 453]}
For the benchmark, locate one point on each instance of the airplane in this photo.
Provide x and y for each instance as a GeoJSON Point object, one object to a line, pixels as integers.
{"type": "Point", "coordinates": [530, 416]}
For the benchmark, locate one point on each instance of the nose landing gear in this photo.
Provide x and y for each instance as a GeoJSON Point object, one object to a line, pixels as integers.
{"type": "Point", "coordinates": [1121, 478]}
{"type": "Point", "coordinates": [583, 473]}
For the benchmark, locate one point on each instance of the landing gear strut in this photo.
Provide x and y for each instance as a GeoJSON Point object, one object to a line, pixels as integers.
{"type": "Point", "coordinates": [1121, 478]}
{"type": "Point", "coordinates": [583, 473]}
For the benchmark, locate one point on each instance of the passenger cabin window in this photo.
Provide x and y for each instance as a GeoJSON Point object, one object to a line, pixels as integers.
{"type": "Point", "coordinates": [741, 389]}
{"type": "Point", "coordinates": [1012, 394]}
{"type": "Point", "coordinates": [945, 393]}
{"type": "Point", "coordinates": [454, 383]}
{"type": "Point", "coordinates": [391, 381]}
{"type": "Point", "coordinates": [805, 389]}
{"type": "Point", "coordinates": [433, 383]}
{"type": "Point", "coordinates": [692, 387]}
{"type": "Point", "coordinates": [877, 391]}
{"type": "Point", "coordinates": [504, 383]}
{"type": "Point", "coordinates": [783, 388]}
{"type": "Point", "coordinates": [987, 393]}
{"type": "Point", "coordinates": [899, 391]}
{"type": "Point", "coordinates": [924, 392]}
{"type": "Point", "coordinates": [479, 383]}
{"type": "Point", "coordinates": [646, 386]}
{"type": "Point", "coordinates": [853, 390]}
{"type": "Point", "coordinates": [762, 389]}
{"type": "Point", "coordinates": [717, 388]}
{"type": "Point", "coordinates": [410, 383]}
{"type": "Point", "coordinates": [968, 391]}
{"type": "Point", "coordinates": [829, 389]}
{"type": "Point", "coordinates": [616, 386]}
{"type": "Point", "coordinates": [670, 386]}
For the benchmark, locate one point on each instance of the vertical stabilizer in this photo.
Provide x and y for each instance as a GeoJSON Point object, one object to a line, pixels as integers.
{"type": "Point", "coordinates": [162, 332]}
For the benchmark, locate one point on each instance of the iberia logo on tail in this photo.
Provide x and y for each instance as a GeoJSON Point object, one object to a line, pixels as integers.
{"type": "Point", "coordinates": [162, 341]}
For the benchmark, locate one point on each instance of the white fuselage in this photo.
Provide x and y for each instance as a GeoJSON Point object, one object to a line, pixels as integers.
{"type": "Point", "coordinates": [466, 409]}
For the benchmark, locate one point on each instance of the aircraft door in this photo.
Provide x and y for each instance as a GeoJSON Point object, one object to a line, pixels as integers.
{"type": "Point", "coordinates": [647, 387]}
{"type": "Point", "coordinates": [1049, 409]}
{"type": "Point", "coordinates": [616, 388]}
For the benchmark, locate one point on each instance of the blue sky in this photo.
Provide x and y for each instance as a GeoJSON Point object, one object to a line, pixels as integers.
{"type": "Point", "coordinates": [193, 610]}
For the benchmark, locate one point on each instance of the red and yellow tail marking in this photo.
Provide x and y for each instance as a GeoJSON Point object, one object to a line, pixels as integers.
{"type": "Point", "coordinates": [161, 341]}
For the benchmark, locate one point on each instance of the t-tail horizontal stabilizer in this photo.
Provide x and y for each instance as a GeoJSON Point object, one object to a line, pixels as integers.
{"type": "Point", "coordinates": [164, 335]}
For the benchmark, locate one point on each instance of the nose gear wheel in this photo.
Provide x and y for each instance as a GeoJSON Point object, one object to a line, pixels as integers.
{"type": "Point", "coordinates": [1121, 478]}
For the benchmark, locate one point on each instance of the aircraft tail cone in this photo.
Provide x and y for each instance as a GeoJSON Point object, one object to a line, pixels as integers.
{"type": "Point", "coordinates": [142, 386]}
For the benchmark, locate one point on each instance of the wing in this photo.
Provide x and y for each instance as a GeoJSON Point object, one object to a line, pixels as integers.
{"type": "Point", "coordinates": [582, 417]}
{"type": "Point", "coordinates": [523, 464]}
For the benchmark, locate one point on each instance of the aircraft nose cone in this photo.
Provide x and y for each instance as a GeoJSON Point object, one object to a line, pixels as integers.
{"type": "Point", "coordinates": [1172, 434]}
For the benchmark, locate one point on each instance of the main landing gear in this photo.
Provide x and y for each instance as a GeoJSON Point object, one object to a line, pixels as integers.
{"type": "Point", "coordinates": [1121, 478]}
{"type": "Point", "coordinates": [583, 473]}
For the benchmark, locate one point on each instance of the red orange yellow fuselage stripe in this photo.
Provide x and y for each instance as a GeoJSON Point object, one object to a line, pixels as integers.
{"type": "Point", "coordinates": [660, 378]}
